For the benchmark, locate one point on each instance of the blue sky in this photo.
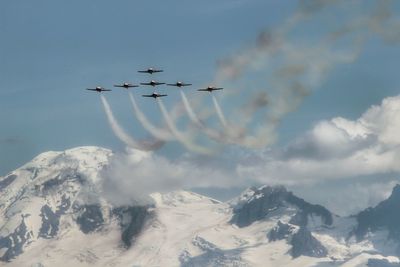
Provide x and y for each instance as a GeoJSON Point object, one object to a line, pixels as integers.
{"type": "Point", "coordinates": [51, 50]}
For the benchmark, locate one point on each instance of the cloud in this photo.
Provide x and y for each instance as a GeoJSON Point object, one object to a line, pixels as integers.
{"type": "Point", "coordinates": [348, 197]}
{"type": "Point", "coordinates": [335, 161]}
{"type": "Point", "coordinates": [133, 175]}
{"type": "Point", "coordinates": [337, 149]}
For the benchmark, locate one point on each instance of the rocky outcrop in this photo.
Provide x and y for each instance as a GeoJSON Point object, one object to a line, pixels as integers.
{"type": "Point", "coordinates": [14, 242]}
{"type": "Point", "coordinates": [90, 218]}
{"type": "Point", "coordinates": [301, 239]}
{"type": "Point", "coordinates": [384, 216]}
{"type": "Point", "coordinates": [305, 244]}
{"type": "Point", "coordinates": [132, 219]}
{"type": "Point", "coordinates": [51, 219]}
{"type": "Point", "coordinates": [280, 231]}
{"type": "Point", "coordinates": [260, 202]}
{"type": "Point", "coordinates": [7, 181]}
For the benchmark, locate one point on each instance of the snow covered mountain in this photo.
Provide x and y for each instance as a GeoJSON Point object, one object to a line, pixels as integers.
{"type": "Point", "coordinates": [54, 213]}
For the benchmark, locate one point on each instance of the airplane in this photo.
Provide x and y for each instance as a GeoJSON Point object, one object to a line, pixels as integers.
{"type": "Point", "coordinates": [126, 85]}
{"type": "Point", "coordinates": [179, 84]}
{"type": "Point", "coordinates": [154, 95]}
{"type": "Point", "coordinates": [210, 89]}
{"type": "Point", "coordinates": [98, 89]}
{"type": "Point", "coordinates": [152, 83]}
{"type": "Point", "coordinates": [150, 71]}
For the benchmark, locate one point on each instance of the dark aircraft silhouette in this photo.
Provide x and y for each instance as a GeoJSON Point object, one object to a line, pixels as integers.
{"type": "Point", "coordinates": [179, 84]}
{"type": "Point", "coordinates": [210, 89]}
{"type": "Point", "coordinates": [150, 71]}
{"type": "Point", "coordinates": [126, 85]}
{"type": "Point", "coordinates": [98, 89]}
{"type": "Point", "coordinates": [152, 83]}
{"type": "Point", "coordinates": [154, 95]}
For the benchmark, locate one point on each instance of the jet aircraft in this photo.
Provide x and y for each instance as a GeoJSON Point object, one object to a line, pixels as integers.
{"type": "Point", "coordinates": [210, 89]}
{"type": "Point", "coordinates": [152, 83]}
{"type": "Point", "coordinates": [98, 89]}
{"type": "Point", "coordinates": [154, 95]}
{"type": "Point", "coordinates": [179, 84]}
{"type": "Point", "coordinates": [150, 71]}
{"type": "Point", "coordinates": [126, 85]}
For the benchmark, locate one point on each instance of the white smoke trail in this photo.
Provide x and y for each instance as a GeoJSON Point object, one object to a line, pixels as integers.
{"type": "Point", "coordinates": [220, 114]}
{"type": "Point", "coordinates": [179, 135]}
{"type": "Point", "coordinates": [293, 69]}
{"type": "Point", "coordinates": [193, 117]}
{"type": "Point", "coordinates": [190, 111]}
{"type": "Point", "coordinates": [158, 133]}
{"type": "Point", "coordinates": [123, 136]}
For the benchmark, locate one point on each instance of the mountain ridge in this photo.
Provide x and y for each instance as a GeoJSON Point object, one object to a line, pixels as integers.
{"type": "Point", "coordinates": [55, 202]}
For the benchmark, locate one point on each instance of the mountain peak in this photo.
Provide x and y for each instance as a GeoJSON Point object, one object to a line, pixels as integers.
{"type": "Point", "coordinates": [256, 203]}
{"type": "Point", "coordinates": [395, 196]}
{"type": "Point", "coordinates": [384, 216]}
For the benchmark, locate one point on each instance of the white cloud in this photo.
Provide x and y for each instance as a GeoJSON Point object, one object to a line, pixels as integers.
{"type": "Point", "coordinates": [350, 159]}
{"type": "Point", "coordinates": [133, 175]}
{"type": "Point", "coordinates": [338, 149]}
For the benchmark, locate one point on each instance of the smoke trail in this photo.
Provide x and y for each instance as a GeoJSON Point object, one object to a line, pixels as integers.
{"type": "Point", "coordinates": [294, 70]}
{"type": "Point", "coordinates": [180, 136]}
{"type": "Point", "coordinates": [220, 114]}
{"type": "Point", "coordinates": [161, 134]}
{"type": "Point", "coordinates": [193, 117]}
{"type": "Point", "coordinates": [123, 136]}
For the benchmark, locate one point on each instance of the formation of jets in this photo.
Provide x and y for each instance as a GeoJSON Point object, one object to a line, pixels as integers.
{"type": "Point", "coordinates": [153, 83]}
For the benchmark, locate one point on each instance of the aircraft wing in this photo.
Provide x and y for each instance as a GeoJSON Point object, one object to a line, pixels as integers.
{"type": "Point", "coordinates": [203, 89]}
{"type": "Point", "coordinates": [90, 89]}
{"type": "Point", "coordinates": [143, 71]}
{"type": "Point", "coordinates": [157, 83]}
{"type": "Point", "coordinates": [157, 70]}
{"type": "Point", "coordinates": [161, 95]}
{"type": "Point", "coordinates": [118, 85]}
{"type": "Point", "coordinates": [219, 88]}
{"type": "Point", "coordinates": [171, 84]}
{"type": "Point", "coordinates": [105, 90]}
{"type": "Point", "coordinates": [145, 83]}
{"type": "Point", "coordinates": [147, 95]}
{"type": "Point", "coordinates": [133, 85]}
{"type": "Point", "coordinates": [186, 84]}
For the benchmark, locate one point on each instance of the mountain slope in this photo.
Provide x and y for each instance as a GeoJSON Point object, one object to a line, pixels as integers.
{"type": "Point", "coordinates": [54, 213]}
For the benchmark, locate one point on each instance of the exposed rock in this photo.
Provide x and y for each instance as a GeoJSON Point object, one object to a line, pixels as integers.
{"type": "Point", "coordinates": [384, 216]}
{"type": "Point", "coordinates": [264, 200]}
{"type": "Point", "coordinates": [7, 181]}
{"type": "Point", "coordinates": [14, 242]}
{"type": "Point", "coordinates": [90, 219]}
{"type": "Point", "coordinates": [60, 179]}
{"type": "Point", "coordinates": [280, 232]}
{"type": "Point", "coordinates": [132, 220]}
{"type": "Point", "coordinates": [304, 244]}
{"type": "Point", "coordinates": [51, 220]}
